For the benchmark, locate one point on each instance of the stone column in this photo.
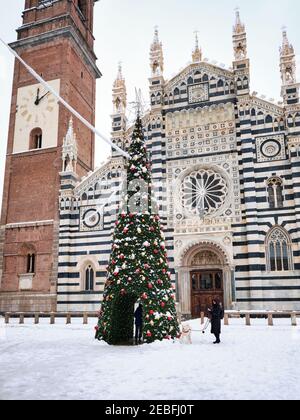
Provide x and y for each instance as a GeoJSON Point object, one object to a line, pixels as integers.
{"type": "Point", "coordinates": [184, 290]}
{"type": "Point", "coordinates": [227, 287]}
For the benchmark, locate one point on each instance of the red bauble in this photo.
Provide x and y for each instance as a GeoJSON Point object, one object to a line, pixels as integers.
{"type": "Point", "coordinates": [151, 312]}
{"type": "Point", "coordinates": [149, 334]}
{"type": "Point", "coordinates": [150, 286]}
{"type": "Point", "coordinates": [162, 304]}
{"type": "Point", "coordinates": [151, 229]}
{"type": "Point", "coordinates": [137, 271]}
{"type": "Point", "coordinates": [156, 251]}
{"type": "Point", "coordinates": [144, 296]}
{"type": "Point", "coordinates": [125, 230]}
{"type": "Point", "coordinates": [97, 328]}
{"type": "Point", "coordinates": [160, 282]}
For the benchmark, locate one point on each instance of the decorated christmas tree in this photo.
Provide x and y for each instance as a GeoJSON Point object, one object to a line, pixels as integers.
{"type": "Point", "coordinates": [138, 270]}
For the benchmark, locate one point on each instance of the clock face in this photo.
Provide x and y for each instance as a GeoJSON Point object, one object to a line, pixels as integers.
{"type": "Point", "coordinates": [36, 108]}
{"type": "Point", "coordinates": [44, 104]}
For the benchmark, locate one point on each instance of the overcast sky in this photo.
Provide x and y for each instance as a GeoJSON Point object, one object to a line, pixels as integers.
{"type": "Point", "coordinates": [124, 32]}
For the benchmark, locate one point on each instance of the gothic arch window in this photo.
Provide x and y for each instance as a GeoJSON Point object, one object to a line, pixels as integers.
{"type": "Point", "coordinates": [269, 119]}
{"type": "Point", "coordinates": [282, 125]}
{"type": "Point", "coordinates": [275, 193]}
{"type": "Point", "coordinates": [279, 250]}
{"type": "Point", "coordinates": [245, 82]}
{"type": "Point", "coordinates": [66, 163]}
{"type": "Point", "coordinates": [253, 112]}
{"type": "Point", "coordinates": [31, 263]}
{"type": "Point", "coordinates": [232, 88]}
{"type": "Point", "coordinates": [36, 139]}
{"type": "Point", "coordinates": [290, 121]}
{"type": "Point", "coordinates": [176, 92]}
{"type": "Point", "coordinates": [220, 83]}
{"type": "Point", "coordinates": [91, 193]}
{"type": "Point", "coordinates": [89, 278]}
{"type": "Point", "coordinates": [84, 197]}
{"type": "Point", "coordinates": [190, 81]}
{"type": "Point", "coordinates": [205, 78]}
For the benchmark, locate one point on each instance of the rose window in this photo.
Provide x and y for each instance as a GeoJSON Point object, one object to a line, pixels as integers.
{"type": "Point", "coordinates": [204, 192]}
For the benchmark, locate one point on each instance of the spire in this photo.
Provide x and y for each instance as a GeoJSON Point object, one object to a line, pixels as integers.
{"type": "Point", "coordinates": [287, 48]}
{"type": "Point", "coordinates": [156, 56]}
{"type": "Point", "coordinates": [69, 149]}
{"type": "Point", "coordinates": [119, 93]}
{"type": "Point", "coordinates": [239, 38]}
{"type": "Point", "coordinates": [239, 27]}
{"type": "Point", "coordinates": [290, 88]}
{"type": "Point", "coordinates": [197, 53]}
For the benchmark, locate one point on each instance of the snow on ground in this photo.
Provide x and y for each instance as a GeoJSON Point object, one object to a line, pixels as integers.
{"type": "Point", "coordinates": [65, 362]}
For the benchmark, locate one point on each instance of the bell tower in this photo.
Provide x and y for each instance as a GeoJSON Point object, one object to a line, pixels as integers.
{"type": "Point", "coordinates": [56, 39]}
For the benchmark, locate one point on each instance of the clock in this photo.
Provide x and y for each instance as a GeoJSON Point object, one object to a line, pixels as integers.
{"type": "Point", "coordinates": [198, 93]}
{"type": "Point", "coordinates": [36, 108]}
{"type": "Point", "coordinates": [91, 218]}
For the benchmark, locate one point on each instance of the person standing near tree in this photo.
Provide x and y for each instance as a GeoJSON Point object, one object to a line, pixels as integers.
{"type": "Point", "coordinates": [138, 315]}
{"type": "Point", "coordinates": [216, 315]}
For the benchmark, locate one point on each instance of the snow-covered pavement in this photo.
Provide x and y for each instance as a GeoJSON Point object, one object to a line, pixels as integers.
{"type": "Point", "coordinates": [64, 362]}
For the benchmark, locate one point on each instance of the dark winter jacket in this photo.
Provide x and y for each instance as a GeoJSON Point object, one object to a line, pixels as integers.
{"type": "Point", "coordinates": [216, 314]}
{"type": "Point", "coordinates": [139, 316]}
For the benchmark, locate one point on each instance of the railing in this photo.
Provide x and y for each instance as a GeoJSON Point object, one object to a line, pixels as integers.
{"type": "Point", "coordinates": [53, 316]}
{"type": "Point", "coordinates": [249, 315]}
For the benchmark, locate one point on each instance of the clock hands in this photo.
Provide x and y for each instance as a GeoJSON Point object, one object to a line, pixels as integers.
{"type": "Point", "coordinates": [38, 98]}
{"type": "Point", "coordinates": [37, 101]}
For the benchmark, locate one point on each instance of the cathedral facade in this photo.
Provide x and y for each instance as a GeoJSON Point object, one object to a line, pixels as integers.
{"type": "Point", "coordinates": [226, 179]}
{"type": "Point", "coordinates": [225, 168]}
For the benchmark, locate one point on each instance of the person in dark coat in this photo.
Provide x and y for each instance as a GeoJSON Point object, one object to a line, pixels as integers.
{"type": "Point", "coordinates": [216, 315]}
{"type": "Point", "coordinates": [138, 315]}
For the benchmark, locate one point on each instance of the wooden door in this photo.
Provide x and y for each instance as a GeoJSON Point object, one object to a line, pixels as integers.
{"type": "Point", "coordinates": [206, 286]}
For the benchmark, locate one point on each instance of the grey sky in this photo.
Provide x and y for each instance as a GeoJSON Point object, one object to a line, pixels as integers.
{"type": "Point", "coordinates": [124, 32]}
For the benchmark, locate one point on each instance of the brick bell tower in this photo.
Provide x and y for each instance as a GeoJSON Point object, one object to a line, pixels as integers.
{"type": "Point", "coordinates": [56, 39]}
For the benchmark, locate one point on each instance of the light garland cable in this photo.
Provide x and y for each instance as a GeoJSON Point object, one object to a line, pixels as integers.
{"type": "Point", "coordinates": [63, 102]}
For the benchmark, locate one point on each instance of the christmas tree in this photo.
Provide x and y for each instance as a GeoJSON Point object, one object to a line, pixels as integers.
{"type": "Point", "coordinates": [138, 270]}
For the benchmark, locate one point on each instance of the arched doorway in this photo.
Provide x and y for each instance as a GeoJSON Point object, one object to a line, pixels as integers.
{"type": "Point", "coordinates": [207, 282]}
{"type": "Point", "coordinates": [205, 271]}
